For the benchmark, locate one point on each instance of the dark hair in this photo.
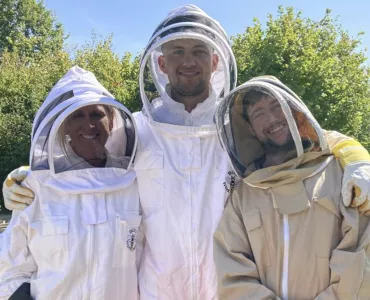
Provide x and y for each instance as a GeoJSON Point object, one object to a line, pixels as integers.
{"type": "Point", "coordinates": [250, 98]}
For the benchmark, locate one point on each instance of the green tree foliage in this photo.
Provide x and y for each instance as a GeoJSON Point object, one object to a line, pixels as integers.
{"type": "Point", "coordinates": [23, 87]}
{"type": "Point", "coordinates": [318, 60]}
{"type": "Point", "coordinates": [117, 75]}
{"type": "Point", "coordinates": [28, 28]}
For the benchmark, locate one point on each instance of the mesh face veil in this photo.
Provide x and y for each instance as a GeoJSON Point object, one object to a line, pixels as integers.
{"type": "Point", "coordinates": [263, 123]}
{"type": "Point", "coordinates": [188, 40]}
{"type": "Point", "coordinates": [75, 82]}
{"type": "Point", "coordinates": [93, 132]}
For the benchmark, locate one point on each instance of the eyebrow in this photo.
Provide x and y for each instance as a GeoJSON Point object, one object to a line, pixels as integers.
{"type": "Point", "coordinates": [200, 46]}
{"type": "Point", "coordinates": [274, 102]}
{"type": "Point", "coordinates": [256, 111]}
{"type": "Point", "coordinates": [176, 47]}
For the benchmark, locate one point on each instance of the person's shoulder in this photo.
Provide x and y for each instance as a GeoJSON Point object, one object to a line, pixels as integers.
{"type": "Point", "coordinates": [334, 169]}
{"type": "Point", "coordinates": [137, 114]}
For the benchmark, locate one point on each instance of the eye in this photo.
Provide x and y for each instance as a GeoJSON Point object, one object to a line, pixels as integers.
{"type": "Point", "coordinates": [97, 115]}
{"type": "Point", "coordinates": [178, 52]}
{"type": "Point", "coordinates": [276, 108]}
{"type": "Point", "coordinates": [77, 114]}
{"type": "Point", "coordinates": [257, 115]}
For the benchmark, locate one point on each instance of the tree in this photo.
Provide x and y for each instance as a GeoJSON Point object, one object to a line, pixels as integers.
{"type": "Point", "coordinates": [318, 60]}
{"type": "Point", "coordinates": [118, 75]}
{"type": "Point", "coordinates": [23, 87]}
{"type": "Point", "coordinates": [28, 28]}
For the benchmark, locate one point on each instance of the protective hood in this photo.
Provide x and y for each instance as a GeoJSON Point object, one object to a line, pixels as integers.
{"type": "Point", "coordinates": [89, 137]}
{"type": "Point", "coordinates": [187, 22]}
{"type": "Point", "coordinates": [75, 82]}
{"type": "Point", "coordinates": [262, 123]}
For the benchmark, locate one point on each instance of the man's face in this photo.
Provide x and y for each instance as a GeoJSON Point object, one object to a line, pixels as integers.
{"type": "Point", "coordinates": [189, 65]}
{"type": "Point", "coordinates": [270, 125]}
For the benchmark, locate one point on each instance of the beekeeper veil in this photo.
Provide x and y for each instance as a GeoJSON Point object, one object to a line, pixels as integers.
{"type": "Point", "coordinates": [263, 123]}
{"type": "Point", "coordinates": [187, 22]}
{"type": "Point", "coordinates": [89, 131]}
{"type": "Point", "coordinates": [75, 82]}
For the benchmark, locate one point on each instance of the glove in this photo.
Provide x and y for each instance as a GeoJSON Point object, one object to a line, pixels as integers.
{"type": "Point", "coordinates": [355, 161]}
{"type": "Point", "coordinates": [17, 197]}
{"type": "Point", "coordinates": [356, 182]}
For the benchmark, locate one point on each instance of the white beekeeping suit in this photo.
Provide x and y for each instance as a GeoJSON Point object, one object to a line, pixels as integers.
{"type": "Point", "coordinates": [180, 166]}
{"type": "Point", "coordinates": [80, 238]}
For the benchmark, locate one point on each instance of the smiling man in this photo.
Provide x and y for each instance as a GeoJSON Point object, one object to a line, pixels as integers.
{"type": "Point", "coordinates": [285, 233]}
{"type": "Point", "coordinates": [270, 126]}
{"type": "Point", "coordinates": [183, 174]}
{"type": "Point", "coordinates": [189, 65]}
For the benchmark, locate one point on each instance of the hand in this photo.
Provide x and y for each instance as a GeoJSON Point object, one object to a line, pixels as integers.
{"type": "Point", "coordinates": [356, 187]}
{"type": "Point", "coordinates": [17, 197]}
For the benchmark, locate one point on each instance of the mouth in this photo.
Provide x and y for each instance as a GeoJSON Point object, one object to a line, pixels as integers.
{"type": "Point", "coordinates": [89, 136]}
{"type": "Point", "coordinates": [276, 128]}
{"type": "Point", "coordinates": [189, 74]}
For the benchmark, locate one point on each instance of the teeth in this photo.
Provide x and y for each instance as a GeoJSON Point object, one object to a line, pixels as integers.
{"type": "Point", "coordinates": [276, 129]}
{"type": "Point", "coordinates": [89, 137]}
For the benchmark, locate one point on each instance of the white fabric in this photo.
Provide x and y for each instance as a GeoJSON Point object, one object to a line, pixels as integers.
{"type": "Point", "coordinates": [74, 245]}
{"type": "Point", "coordinates": [80, 238]}
{"type": "Point", "coordinates": [167, 110]}
{"type": "Point", "coordinates": [223, 79]}
{"type": "Point", "coordinates": [191, 9]}
{"type": "Point", "coordinates": [161, 79]}
{"type": "Point", "coordinates": [181, 174]}
{"type": "Point", "coordinates": [76, 80]}
{"type": "Point", "coordinates": [181, 171]}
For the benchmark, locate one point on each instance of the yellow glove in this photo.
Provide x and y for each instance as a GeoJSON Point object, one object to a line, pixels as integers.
{"type": "Point", "coordinates": [355, 161]}
{"type": "Point", "coordinates": [17, 197]}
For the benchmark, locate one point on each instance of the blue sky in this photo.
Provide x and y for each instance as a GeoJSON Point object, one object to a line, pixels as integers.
{"type": "Point", "coordinates": [133, 21]}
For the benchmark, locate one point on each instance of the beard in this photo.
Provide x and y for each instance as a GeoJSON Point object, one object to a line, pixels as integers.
{"type": "Point", "coordinates": [190, 90]}
{"type": "Point", "coordinates": [271, 147]}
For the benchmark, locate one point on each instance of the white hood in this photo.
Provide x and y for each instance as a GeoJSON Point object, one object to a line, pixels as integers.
{"type": "Point", "coordinates": [188, 22]}
{"type": "Point", "coordinates": [50, 147]}
{"type": "Point", "coordinates": [75, 82]}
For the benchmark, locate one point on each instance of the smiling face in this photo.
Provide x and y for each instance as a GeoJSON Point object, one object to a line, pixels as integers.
{"type": "Point", "coordinates": [89, 128]}
{"type": "Point", "coordinates": [189, 65]}
{"type": "Point", "coordinates": [270, 125]}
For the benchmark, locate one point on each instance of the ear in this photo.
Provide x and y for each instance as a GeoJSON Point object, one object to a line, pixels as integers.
{"type": "Point", "coordinates": [162, 64]}
{"type": "Point", "coordinates": [215, 60]}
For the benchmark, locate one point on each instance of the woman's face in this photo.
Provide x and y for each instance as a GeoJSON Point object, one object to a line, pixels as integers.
{"type": "Point", "coordinates": [89, 128]}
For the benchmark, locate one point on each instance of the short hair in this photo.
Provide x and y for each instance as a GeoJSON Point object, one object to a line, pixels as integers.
{"type": "Point", "coordinates": [252, 97]}
{"type": "Point", "coordinates": [211, 49]}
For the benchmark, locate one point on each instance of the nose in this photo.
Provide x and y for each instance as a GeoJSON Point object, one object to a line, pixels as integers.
{"type": "Point", "coordinates": [88, 123]}
{"type": "Point", "coordinates": [189, 61]}
{"type": "Point", "coordinates": [272, 119]}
